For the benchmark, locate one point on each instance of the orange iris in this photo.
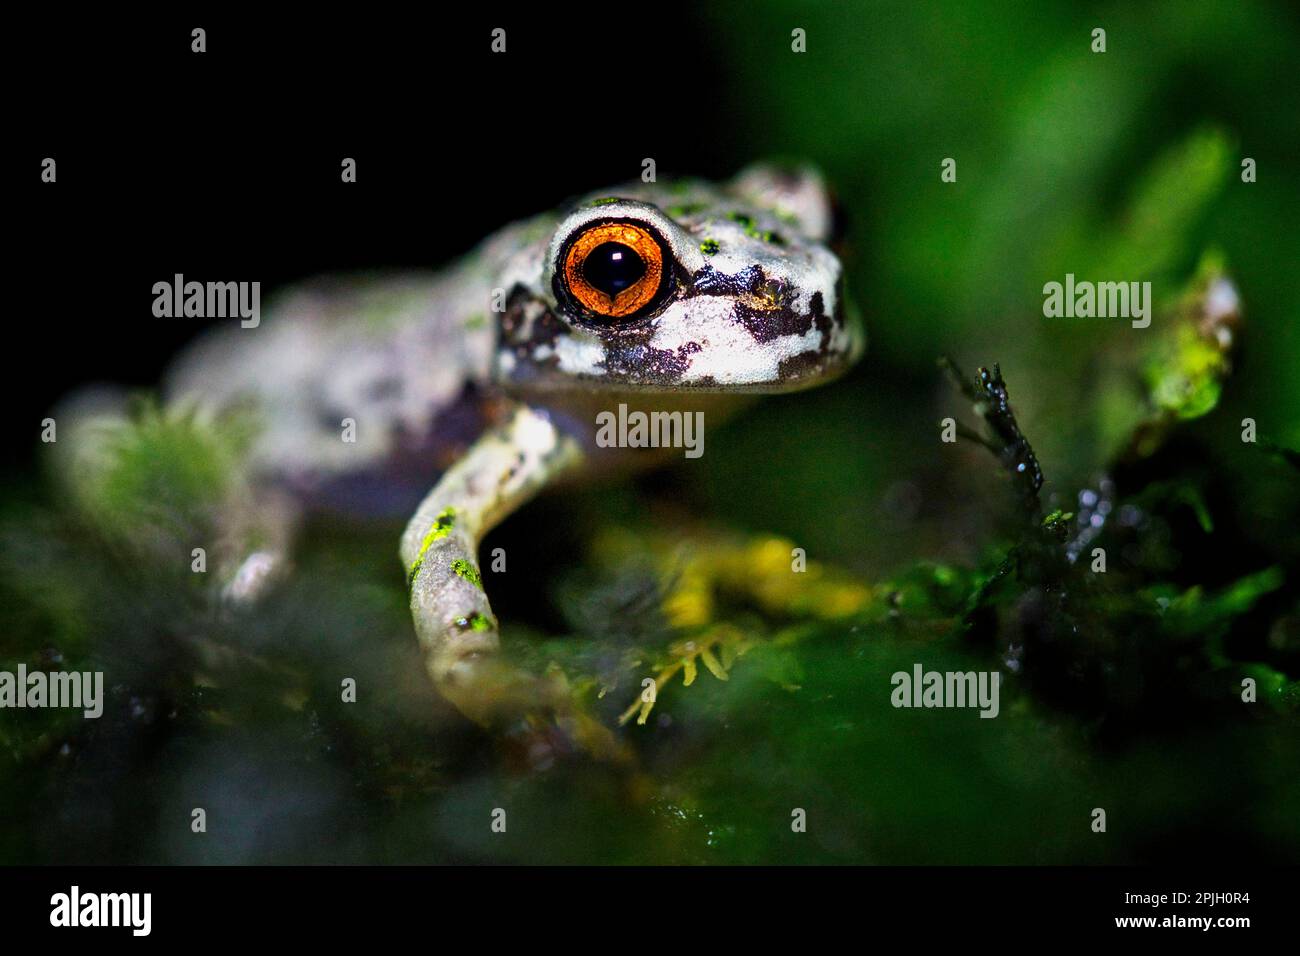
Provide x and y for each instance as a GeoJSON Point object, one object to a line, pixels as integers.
{"type": "Point", "coordinates": [638, 294]}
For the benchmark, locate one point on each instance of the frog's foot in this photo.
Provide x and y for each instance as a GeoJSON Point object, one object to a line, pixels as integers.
{"type": "Point", "coordinates": [539, 718]}
{"type": "Point", "coordinates": [453, 619]}
{"type": "Point", "coordinates": [561, 729]}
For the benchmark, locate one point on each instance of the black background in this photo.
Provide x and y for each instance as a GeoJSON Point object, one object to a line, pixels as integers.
{"type": "Point", "coordinates": [225, 165]}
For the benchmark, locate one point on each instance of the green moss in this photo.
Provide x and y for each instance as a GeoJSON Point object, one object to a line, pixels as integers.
{"type": "Point", "coordinates": [1186, 378]}
{"type": "Point", "coordinates": [709, 247]}
{"type": "Point", "coordinates": [441, 527]}
{"type": "Point", "coordinates": [162, 472]}
{"type": "Point", "coordinates": [1057, 522]}
{"type": "Point", "coordinates": [467, 572]}
{"type": "Point", "coordinates": [751, 230]}
{"type": "Point", "coordinates": [474, 622]}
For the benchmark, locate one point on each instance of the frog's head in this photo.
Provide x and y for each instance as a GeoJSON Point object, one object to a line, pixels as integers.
{"type": "Point", "coordinates": [683, 286]}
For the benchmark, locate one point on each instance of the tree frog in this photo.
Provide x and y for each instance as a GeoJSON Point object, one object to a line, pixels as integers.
{"type": "Point", "coordinates": [462, 393]}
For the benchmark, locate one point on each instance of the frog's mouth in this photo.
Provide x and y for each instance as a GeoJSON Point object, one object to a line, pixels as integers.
{"type": "Point", "coordinates": [642, 368]}
{"type": "Point", "coordinates": [751, 350]}
{"type": "Point", "coordinates": [795, 373]}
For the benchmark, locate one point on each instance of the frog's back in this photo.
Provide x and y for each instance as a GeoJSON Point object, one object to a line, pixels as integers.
{"type": "Point", "coordinates": [348, 379]}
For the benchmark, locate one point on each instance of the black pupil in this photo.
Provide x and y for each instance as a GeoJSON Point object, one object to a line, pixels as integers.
{"type": "Point", "coordinates": [612, 267]}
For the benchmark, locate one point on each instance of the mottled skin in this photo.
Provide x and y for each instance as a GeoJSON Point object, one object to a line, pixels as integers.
{"type": "Point", "coordinates": [481, 383]}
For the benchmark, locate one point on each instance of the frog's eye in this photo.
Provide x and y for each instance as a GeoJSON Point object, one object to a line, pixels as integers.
{"type": "Point", "coordinates": [613, 270]}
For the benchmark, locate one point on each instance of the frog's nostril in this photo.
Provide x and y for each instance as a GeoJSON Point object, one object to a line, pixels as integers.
{"type": "Point", "coordinates": [612, 267]}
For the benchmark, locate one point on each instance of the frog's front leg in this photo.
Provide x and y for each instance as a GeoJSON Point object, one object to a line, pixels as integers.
{"type": "Point", "coordinates": [453, 619]}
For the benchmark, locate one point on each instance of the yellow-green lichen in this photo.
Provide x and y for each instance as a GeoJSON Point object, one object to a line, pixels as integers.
{"type": "Point", "coordinates": [751, 230]}
{"type": "Point", "coordinates": [441, 527]}
{"type": "Point", "coordinates": [474, 622]}
{"type": "Point", "coordinates": [467, 572]}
